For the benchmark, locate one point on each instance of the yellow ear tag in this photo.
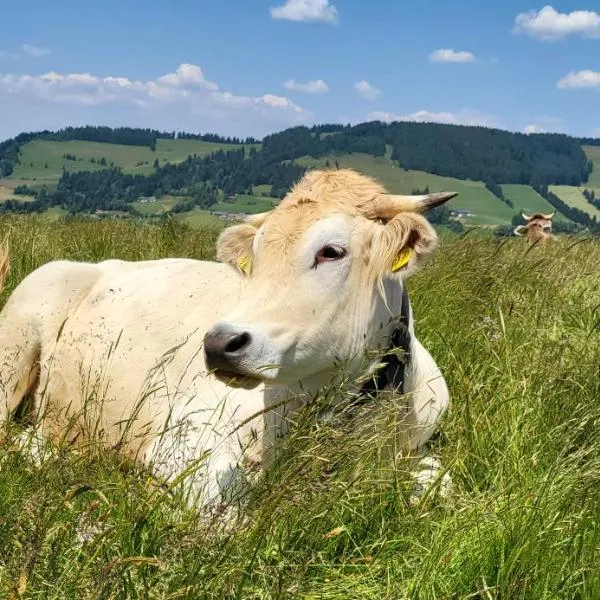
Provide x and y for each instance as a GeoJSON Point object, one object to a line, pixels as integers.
{"type": "Point", "coordinates": [244, 264]}
{"type": "Point", "coordinates": [402, 259]}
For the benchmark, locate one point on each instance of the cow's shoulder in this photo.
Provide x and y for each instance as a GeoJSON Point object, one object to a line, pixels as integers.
{"type": "Point", "coordinates": [163, 271]}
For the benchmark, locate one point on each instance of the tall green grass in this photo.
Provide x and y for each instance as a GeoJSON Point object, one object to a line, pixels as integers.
{"type": "Point", "coordinates": [515, 330]}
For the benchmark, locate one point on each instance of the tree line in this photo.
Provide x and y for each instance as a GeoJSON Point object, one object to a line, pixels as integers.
{"type": "Point", "coordinates": [127, 136]}
{"type": "Point", "coordinates": [475, 153]}
{"type": "Point", "coordinates": [575, 214]}
{"type": "Point", "coordinates": [590, 196]}
{"type": "Point", "coordinates": [495, 189]}
{"type": "Point", "coordinates": [198, 178]}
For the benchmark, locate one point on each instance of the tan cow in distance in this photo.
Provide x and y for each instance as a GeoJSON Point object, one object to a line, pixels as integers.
{"type": "Point", "coordinates": [177, 362]}
{"type": "Point", "coordinates": [538, 227]}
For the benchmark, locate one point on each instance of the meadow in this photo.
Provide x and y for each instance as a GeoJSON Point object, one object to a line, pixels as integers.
{"type": "Point", "coordinates": [43, 160]}
{"type": "Point", "coordinates": [574, 197]}
{"type": "Point", "coordinates": [42, 163]}
{"type": "Point", "coordinates": [515, 330]}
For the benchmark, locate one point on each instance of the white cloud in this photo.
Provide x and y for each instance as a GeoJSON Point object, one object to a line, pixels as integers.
{"type": "Point", "coordinates": [309, 87]}
{"type": "Point", "coordinates": [366, 90]}
{"type": "Point", "coordinates": [549, 24]}
{"type": "Point", "coordinates": [35, 51]}
{"type": "Point", "coordinates": [465, 117]}
{"type": "Point", "coordinates": [306, 10]}
{"type": "Point", "coordinates": [545, 124]}
{"type": "Point", "coordinates": [450, 55]}
{"type": "Point", "coordinates": [533, 128]}
{"type": "Point", "coordinates": [580, 79]}
{"type": "Point", "coordinates": [184, 99]}
{"type": "Point", "coordinates": [187, 75]}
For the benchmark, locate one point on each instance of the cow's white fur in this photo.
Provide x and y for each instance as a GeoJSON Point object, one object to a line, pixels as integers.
{"type": "Point", "coordinates": [114, 349]}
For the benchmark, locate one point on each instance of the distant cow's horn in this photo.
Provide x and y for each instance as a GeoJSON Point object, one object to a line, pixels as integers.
{"type": "Point", "coordinates": [548, 217]}
{"type": "Point", "coordinates": [518, 229]}
{"type": "Point", "coordinates": [388, 206]}
{"type": "Point", "coordinates": [526, 217]}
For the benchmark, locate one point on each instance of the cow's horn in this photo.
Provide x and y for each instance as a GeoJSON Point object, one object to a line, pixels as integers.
{"type": "Point", "coordinates": [389, 205]}
{"type": "Point", "coordinates": [517, 230]}
{"type": "Point", "coordinates": [526, 217]}
{"type": "Point", "coordinates": [432, 200]}
{"type": "Point", "coordinates": [548, 217]}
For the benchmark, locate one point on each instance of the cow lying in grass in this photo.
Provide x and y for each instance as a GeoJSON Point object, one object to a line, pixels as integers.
{"type": "Point", "coordinates": [178, 362]}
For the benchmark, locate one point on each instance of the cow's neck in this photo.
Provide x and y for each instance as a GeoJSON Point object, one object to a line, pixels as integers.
{"type": "Point", "coordinates": [395, 355]}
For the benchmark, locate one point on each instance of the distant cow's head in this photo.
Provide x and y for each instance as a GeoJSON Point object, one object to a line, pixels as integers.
{"type": "Point", "coordinates": [537, 228]}
{"type": "Point", "coordinates": [315, 270]}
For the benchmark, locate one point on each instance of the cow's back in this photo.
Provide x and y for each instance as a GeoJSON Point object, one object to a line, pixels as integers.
{"type": "Point", "coordinates": [133, 343]}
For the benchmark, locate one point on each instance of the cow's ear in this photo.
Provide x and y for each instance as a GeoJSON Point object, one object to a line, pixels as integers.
{"type": "Point", "coordinates": [234, 247]}
{"type": "Point", "coordinates": [398, 246]}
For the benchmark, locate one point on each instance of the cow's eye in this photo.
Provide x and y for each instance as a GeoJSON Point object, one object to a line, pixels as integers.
{"type": "Point", "coordinates": [329, 254]}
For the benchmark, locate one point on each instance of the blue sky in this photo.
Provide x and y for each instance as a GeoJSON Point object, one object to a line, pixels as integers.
{"type": "Point", "coordinates": [250, 67]}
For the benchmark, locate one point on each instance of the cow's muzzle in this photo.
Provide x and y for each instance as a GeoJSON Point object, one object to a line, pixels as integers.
{"type": "Point", "coordinates": [224, 349]}
{"type": "Point", "coordinates": [237, 355]}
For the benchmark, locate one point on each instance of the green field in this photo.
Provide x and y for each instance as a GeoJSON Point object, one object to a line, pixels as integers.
{"type": "Point", "coordinates": [42, 163]}
{"type": "Point", "coordinates": [201, 219]}
{"type": "Point", "coordinates": [245, 203]}
{"type": "Point", "coordinates": [574, 197]}
{"type": "Point", "coordinates": [473, 196]}
{"type": "Point", "coordinates": [259, 190]}
{"type": "Point", "coordinates": [526, 199]}
{"type": "Point", "coordinates": [593, 153]}
{"type": "Point", "coordinates": [7, 187]}
{"type": "Point", "coordinates": [332, 518]}
{"type": "Point", "coordinates": [159, 207]}
{"type": "Point", "coordinates": [37, 154]}
{"type": "Point", "coordinates": [54, 213]}
{"type": "Point", "coordinates": [6, 193]}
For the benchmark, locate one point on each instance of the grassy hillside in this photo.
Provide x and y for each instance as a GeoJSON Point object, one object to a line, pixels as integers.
{"type": "Point", "coordinates": [37, 154]}
{"type": "Point", "coordinates": [42, 163]}
{"type": "Point", "coordinates": [159, 207]}
{"type": "Point", "coordinates": [201, 219]}
{"type": "Point", "coordinates": [593, 153]}
{"type": "Point", "coordinates": [242, 203]}
{"type": "Point", "coordinates": [574, 197]}
{"type": "Point", "coordinates": [526, 199]}
{"type": "Point", "coordinates": [7, 192]}
{"type": "Point", "coordinates": [473, 195]}
{"type": "Point", "coordinates": [246, 203]}
{"type": "Point", "coordinates": [332, 520]}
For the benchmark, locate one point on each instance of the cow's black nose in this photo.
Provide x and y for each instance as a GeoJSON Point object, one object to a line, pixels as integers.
{"type": "Point", "coordinates": [224, 348]}
{"type": "Point", "coordinates": [237, 343]}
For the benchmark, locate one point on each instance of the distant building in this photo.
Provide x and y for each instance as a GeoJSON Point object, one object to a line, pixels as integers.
{"type": "Point", "coordinates": [227, 216]}
{"type": "Point", "coordinates": [147, 199]}
{"type": "Point", "coordinates": [461, 214]}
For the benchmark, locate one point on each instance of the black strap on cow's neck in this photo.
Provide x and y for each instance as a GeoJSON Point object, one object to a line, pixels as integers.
{"type": "Point", "coordinates": [393, 372]}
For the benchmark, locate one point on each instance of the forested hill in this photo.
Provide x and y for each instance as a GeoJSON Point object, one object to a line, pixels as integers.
{"type": "Point", "coordinates": [475, 153]}
{"type": "Point", "coordinates": [237, 166]}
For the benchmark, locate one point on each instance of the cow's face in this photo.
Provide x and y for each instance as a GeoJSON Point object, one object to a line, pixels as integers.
{"type": "Point", "coordinates": [315, 269]}
{"type": "Point", "coordinates": [538, 226]}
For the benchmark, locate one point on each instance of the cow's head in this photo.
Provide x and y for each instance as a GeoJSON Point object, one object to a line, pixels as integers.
{"type": "Point", "coordinates": [322, 271]}
{"type": "Point", "coordinates": [537, 227]}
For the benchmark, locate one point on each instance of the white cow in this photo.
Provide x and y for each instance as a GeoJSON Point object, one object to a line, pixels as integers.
{"type": "Point", "coordinates": [176, 360]}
